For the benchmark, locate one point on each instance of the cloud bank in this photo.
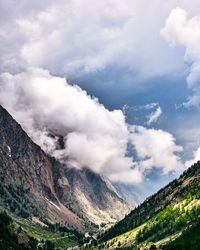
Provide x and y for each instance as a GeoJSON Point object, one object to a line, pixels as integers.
{"type": "Point", "coordinates": [81, 37]}
{"type": "Point", "coordinates": [79, 131]}
{"type": "Point", "coordinates": [43, 43]}
{"type": "Point", "coordinates": [180, 29]}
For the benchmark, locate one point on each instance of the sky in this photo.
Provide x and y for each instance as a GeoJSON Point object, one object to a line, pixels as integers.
{"type": "Point", "coordinates": [116, 81]}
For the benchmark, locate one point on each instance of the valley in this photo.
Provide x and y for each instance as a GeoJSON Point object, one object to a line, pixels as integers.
{"type": "Point", "coordinates": [58, 207]}
{"type": "Point", "coordinates": [99, 125]}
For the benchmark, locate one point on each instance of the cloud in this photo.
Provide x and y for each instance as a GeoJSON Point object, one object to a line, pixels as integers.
{"type": "Point", "coordinates": [153, 117]}
{"type": "Point", "coordinates": [66, 37]}
{"type": "Point", "coordinates": [143, 114]}
{"type": "Point", "coordinates": [76, 38]}
{"type": "Point", "coordinates": [196, 158]}
{"type": "Point", "coordinates": [155, 149]}
{"type": "Point", "coordinates": [48, 107]}
{"type": "Point", "coordinates": [180, 29]}
{"type": "Point", "coordinates": [78, 130]}
{"type": "Point", "coordinates": [44, 42]}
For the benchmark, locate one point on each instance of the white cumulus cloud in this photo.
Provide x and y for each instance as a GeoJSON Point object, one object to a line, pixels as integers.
{"type": "Point", "coordinates": [44, 42]}
{"type": "Point", "coordinates": [48, 107]}
{"type": "Point", "coordinates": [155, 149]}
{"type": "Point", "coordinates": [196, 158]}
{"type": "Point", "coordinates": [180, 29]}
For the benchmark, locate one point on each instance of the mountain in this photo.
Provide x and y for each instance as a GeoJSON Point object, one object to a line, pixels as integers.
{"type": "Point", "coordinates": [34, 184]}
{"type": "Point", "coordinates": [13, 237]}
{"type": "Point", "coordinates": [129, 193]}
{"type": "Point", "coordinates": [163, 221]}
{"type": "Point", "coordinates": [20, 234]}
{"type": "Point", "coordinates": [92, 196]}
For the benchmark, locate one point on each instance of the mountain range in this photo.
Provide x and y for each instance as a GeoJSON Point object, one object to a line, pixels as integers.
{"type": "Point", "coordinates": [45, 204]}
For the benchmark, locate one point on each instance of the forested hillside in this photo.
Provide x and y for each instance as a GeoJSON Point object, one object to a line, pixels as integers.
{"type": "Point", "coordinates": [12, 237]}
{"type": "Point", "coordinates": [168, 215]}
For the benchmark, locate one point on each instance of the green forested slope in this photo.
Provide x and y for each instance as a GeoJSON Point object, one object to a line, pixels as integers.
{"type": "Point", "coordinates": [18, 233]}
{"type": "Point", "coordinates": [189, 240]}
{"type": "Point", "coordinates": [13, 237]}
{"type": "Point", "coordinates": [162, 218]}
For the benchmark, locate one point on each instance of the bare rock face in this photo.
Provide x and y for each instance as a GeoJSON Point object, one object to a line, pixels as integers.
{"type": "Point", "coordinates": [92, 197]}
{"type": "Point", "coordinates": [35, 184]}
{"type": "Point", "coordinates": [129, 193]}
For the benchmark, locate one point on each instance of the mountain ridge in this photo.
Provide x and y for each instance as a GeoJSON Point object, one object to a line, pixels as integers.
{"type": "Point", "coordinates": [35, 183]}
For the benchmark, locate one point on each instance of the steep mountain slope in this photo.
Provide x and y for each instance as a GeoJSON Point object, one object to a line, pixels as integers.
{"type": "Point", "coordinates": [90, 196]}
{"type": "Point", "coordinates": [129, 193]}
{"type": "Point", "coordinates": [162, 217]}
{"type": "Point", "coordinates": [190, 239]}
{"type": "Point", "coordinates": [13, 237]}
{"type": "Point", "coordinates": [18, 233]}
{"type": "Point", "coordinates": [35, 184]}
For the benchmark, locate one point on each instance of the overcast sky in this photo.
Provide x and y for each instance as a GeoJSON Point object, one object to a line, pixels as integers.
{"type": "Point", "coordinates": [119, 80]}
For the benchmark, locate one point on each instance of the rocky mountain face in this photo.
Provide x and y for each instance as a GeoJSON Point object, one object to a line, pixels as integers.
{"type": "Point", "coordinates": [35, 184]}
{"type": "Point", "coordinates": [92, 196]}
{"type": "Point", "coordinates": [129, 193]}
{"type": "Point", "coordinates": [165, 219]}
